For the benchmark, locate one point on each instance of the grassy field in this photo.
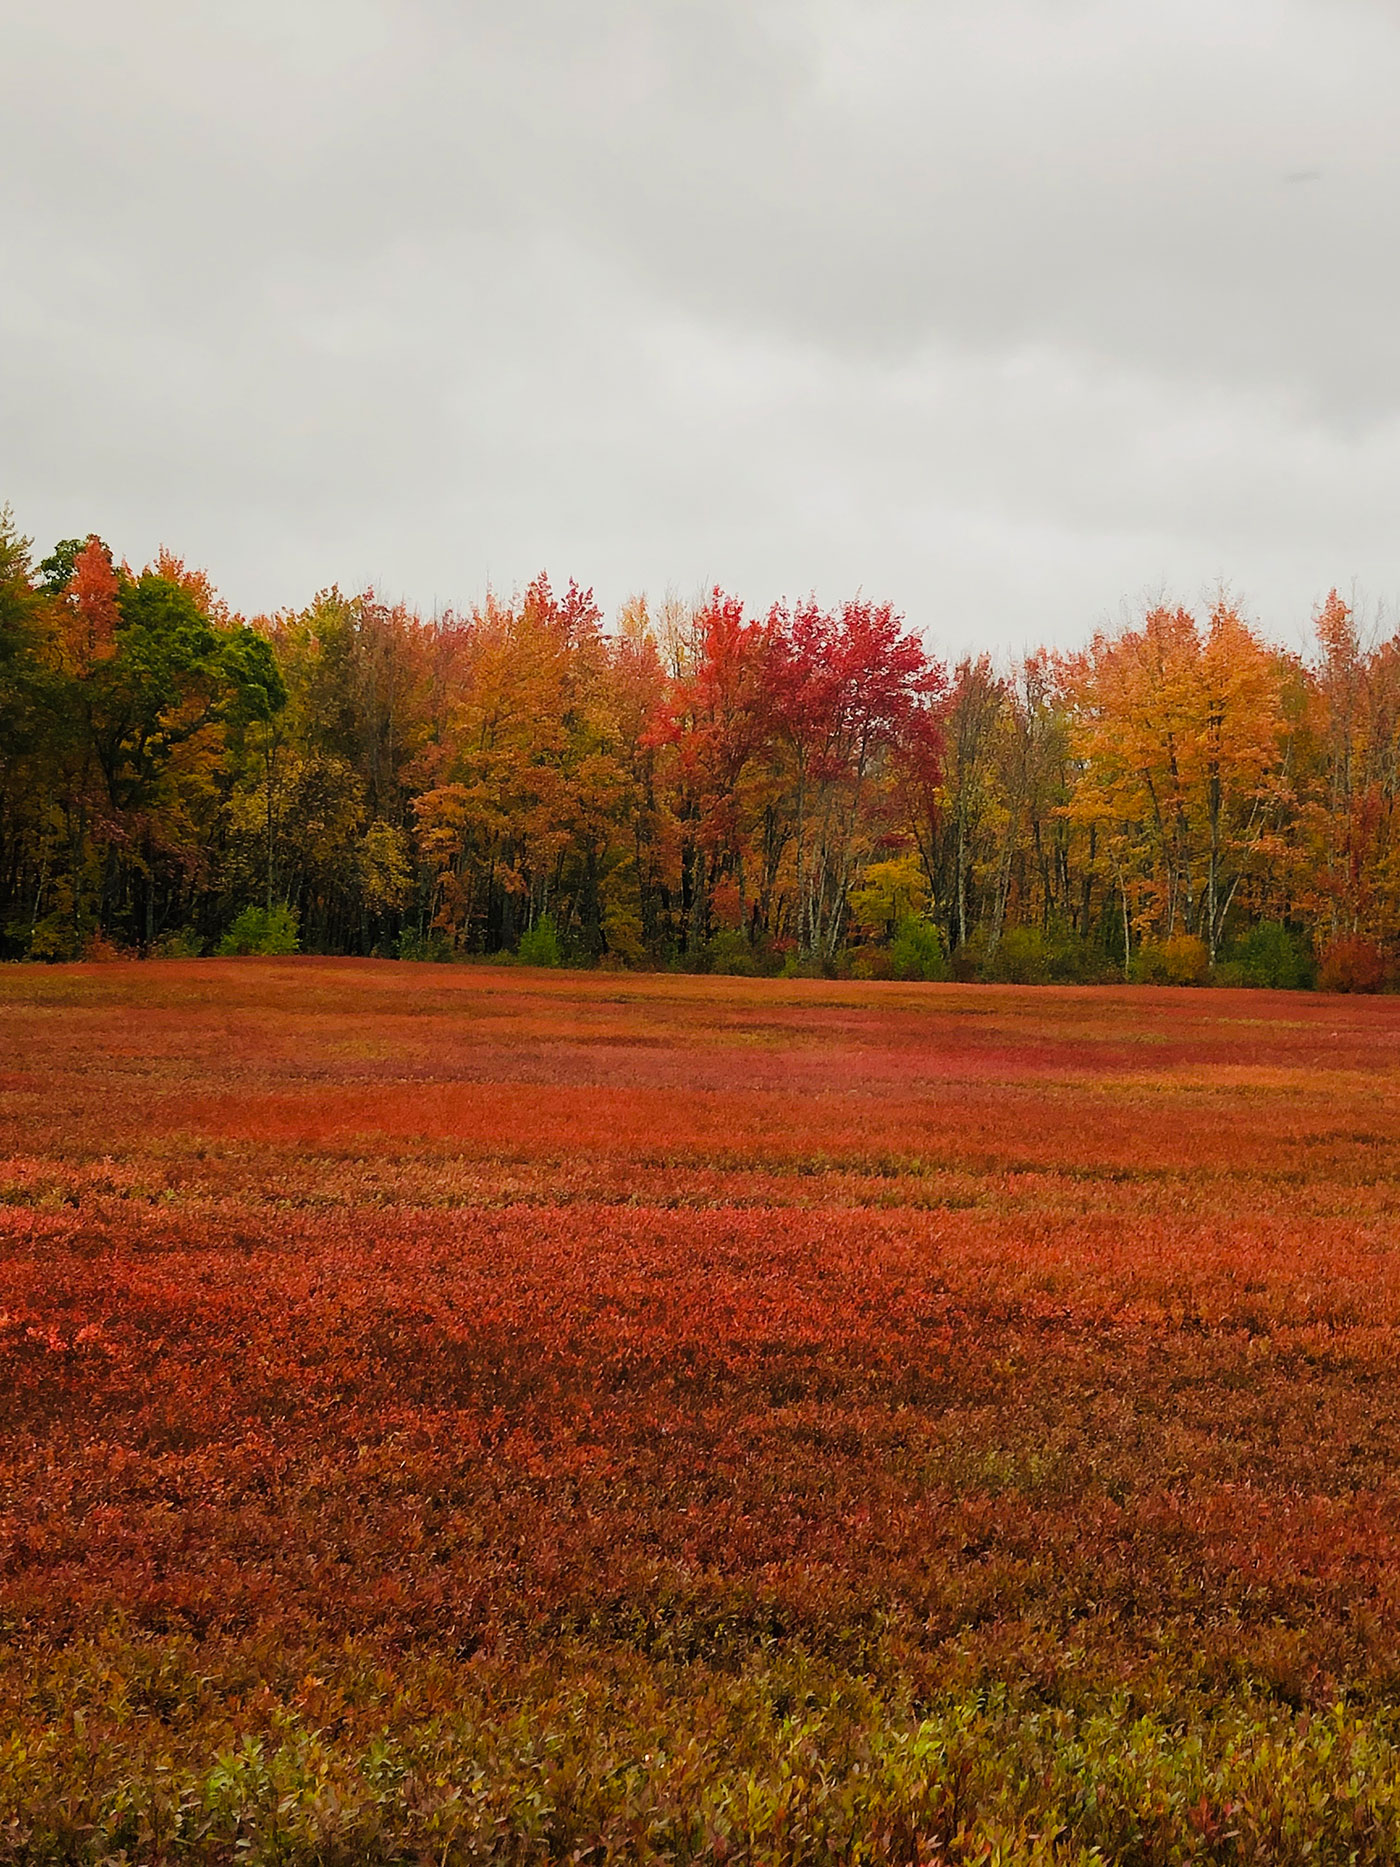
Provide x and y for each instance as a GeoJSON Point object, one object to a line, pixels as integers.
{"type": "Point", "coordinates": [455, 1414]}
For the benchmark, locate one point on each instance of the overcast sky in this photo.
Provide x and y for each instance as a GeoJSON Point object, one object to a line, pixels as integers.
{"type": "Point", "coordinates": [1005, 311]}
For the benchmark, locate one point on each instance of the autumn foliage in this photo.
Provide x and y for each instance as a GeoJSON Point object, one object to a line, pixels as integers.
{"type": "Point", "coordinates": [476, 1413]}
{"type": "Point", "coordinates": [702, 786]}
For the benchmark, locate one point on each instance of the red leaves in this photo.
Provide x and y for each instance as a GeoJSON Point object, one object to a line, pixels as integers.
{"type": "Point", "coordinates": [837, 679]}
{"type": "Point", "coordinates": [1355, 964]}
{"type": "Point", "coordinates": [710, 1312]}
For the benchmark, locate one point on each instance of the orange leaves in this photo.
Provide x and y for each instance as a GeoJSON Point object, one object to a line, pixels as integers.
{"type": "Point", "coordinates": [529, 764]}
{"type": "Point", "coordinates": [88, 629]}
{"type": "Point", "coordinates": [380, 1329]}
{"type": "Point", "coordinates": [196, 583]}
{"type": "Point", "coordinates": [1182, 736]}
{"type": "Point", "coordinates": [1346, 861]}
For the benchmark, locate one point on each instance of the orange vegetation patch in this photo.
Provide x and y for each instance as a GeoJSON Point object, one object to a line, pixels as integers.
{"type": "Point", "coordinates": [829, 1272]}
{"type": "Point", "coordinates": [464, 1311]}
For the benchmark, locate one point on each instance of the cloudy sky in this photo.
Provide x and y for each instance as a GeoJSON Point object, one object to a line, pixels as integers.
{"type": "Point", "coordinates": [1008, 310]}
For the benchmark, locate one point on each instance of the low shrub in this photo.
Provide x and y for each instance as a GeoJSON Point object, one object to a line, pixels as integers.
{"type": "Point", "coordinates": [269, 932]}
{"type": "Point", "coordinates": [1268, 955]}
{"type": "Point", "coordinates": [414, 943]}
{"type": "Point", "coordinates": [967, 962]}
{"type": "Point", "coordinates": [1182, 960]}
{"type": "Point", "coordinates": [102, 949]}
{"type": "Point", "coordinates": [1037, 956]}
{"type": "Point", "coordinates": [729, 952]}
{"type": "Point", "coordinates": [1355, 964]}
{"type": "Point", "coordinates": [916, 952]}
{"type": "Point", "coordinates": [540, 945]}
{"type": "Point", "coordinates": [182, 943]}
{"type": "Point", "coordinates": [1022, 956]}
{"type": "Point", "coordinates": [52, 938]}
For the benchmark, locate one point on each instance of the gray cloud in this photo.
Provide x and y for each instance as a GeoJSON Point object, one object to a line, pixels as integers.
{"type": "Point", "coordinates": [1001, 309]}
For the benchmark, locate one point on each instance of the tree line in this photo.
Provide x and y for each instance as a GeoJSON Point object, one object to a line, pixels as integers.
{"type": "Point", "coordinates": [697, 786]}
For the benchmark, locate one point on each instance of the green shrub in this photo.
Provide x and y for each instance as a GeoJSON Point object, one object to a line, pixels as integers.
{"type": "Point", "coordinates": [414, 944]}
{"type": "Point", "coordinates": [916, 952]}
{"type": "Point", "coordinates": [730, 952]}
{"type": "Point", "coordinates": [1268, 955]}
{"type": "Point", "coordinates": [52, 938]}
{"type": "Point", "coordinates": [184, 943]}
{"type": "Point", "coordinates": [1022, 957]}
{"type": "Point", "coordinates": [539, 945]}
{"type": "Point", "coordinates": [271, 932]}
{"type": "Point", "coordinates": [1035, 956]}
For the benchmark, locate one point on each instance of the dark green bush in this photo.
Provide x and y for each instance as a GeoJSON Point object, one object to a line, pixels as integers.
{"type": "Point", "coordinates": [730, 952]}
{"type": "Point", "coordinates": [1269, 955]}
{"type": "Point", "coordinates": [413, 944]}
{"type": "Point", "coordinates": [1021, 957]}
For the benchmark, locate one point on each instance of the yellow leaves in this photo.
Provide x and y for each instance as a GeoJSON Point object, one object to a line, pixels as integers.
{"type": "Point", "coordinates": [1182, 735]}
{"type": "Point", "coordinates": [622, 916]}
{"type": "Point", "coordinates": [891, 892]}
{"type": "Point", "coordinates": [386, 875]}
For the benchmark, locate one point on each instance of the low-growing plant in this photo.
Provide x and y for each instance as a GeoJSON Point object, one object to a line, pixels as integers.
{"type": "Point", "coordinates": [1022, 956]}
{"type": "Point", "coordinates": [53, 937]}
{"type": "Point", "coordinates": [693, 1422]}
{"type": "Point", "coordinates": [100, 948]}
{"type": "Point", "coordinates": [1045, 956]}
{"type": "Point", "coordinates": [182, 943]}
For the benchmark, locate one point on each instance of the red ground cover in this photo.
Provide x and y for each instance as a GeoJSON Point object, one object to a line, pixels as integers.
{"type": "Point", "coordinates": [944, 1336]}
